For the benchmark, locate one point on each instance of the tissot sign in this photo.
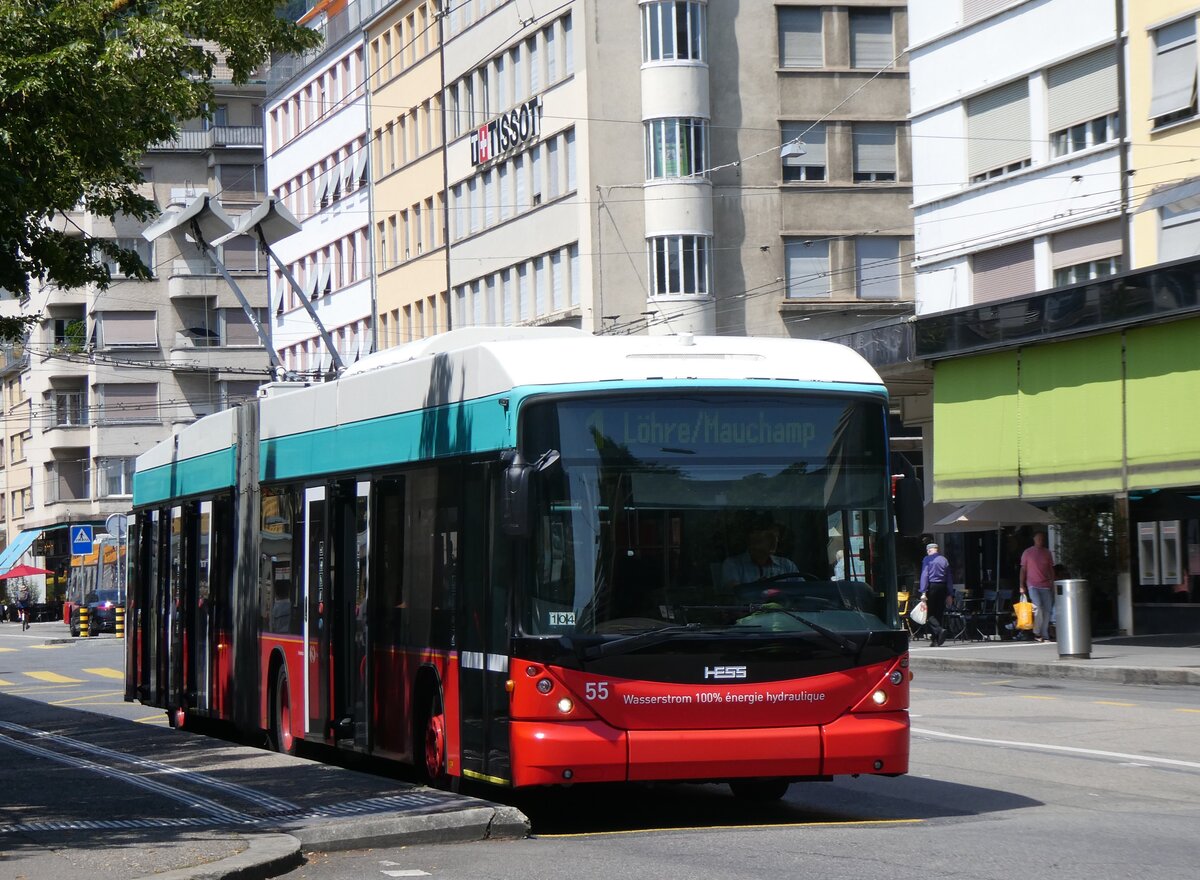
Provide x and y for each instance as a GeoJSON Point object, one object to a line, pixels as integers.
{"type": "Point", "coordinates": [506, 131]}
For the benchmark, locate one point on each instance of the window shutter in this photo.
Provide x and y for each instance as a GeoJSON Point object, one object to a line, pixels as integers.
{"type": "Point", "coordinates": [130, 402]}
{"type": "Point", "coordinates": [238, 328]}
{"type": "Point", "coordinates": [807, 268]}
{"type": "Point", "coordinates": [1179, 234]}
{"type": "Point", "coordinates": [973, 10]}
{"type": "Point", "coordinates": [871, 39]}
{"type": "Point", "coordinates": [878, 267]}
{"type": "Point", "coordinates": [1174, 68]}
{"type": "Point", "coordinates": [1086, 244]}
{"type": "Point", "coordinates": [129, 328]}
{"type": "Point", "coordinates": [814, 143]}
{"type": "Point", "coordinates": [875, 147]}
{"type": "Point", "coordinates": [1083, 88]}
{"type": "Point", "coordinates": [800, 39]}
{"type": "Point", "coordinates": [1002, 272]}
{"type": "Point", "coordinates": [998, 127]}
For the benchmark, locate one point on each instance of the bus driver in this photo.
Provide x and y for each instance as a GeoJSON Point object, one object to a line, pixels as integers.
{"type": "Point", "coordinates": [759, 561]}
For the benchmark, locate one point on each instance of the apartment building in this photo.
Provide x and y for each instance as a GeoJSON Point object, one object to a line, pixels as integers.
{"type": "Point", "coordinates": [106, 374]}
{"type": "Point", "coordinates": [1056, 255]}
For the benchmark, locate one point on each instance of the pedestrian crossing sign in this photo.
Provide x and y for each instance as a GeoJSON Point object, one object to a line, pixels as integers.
{"type": "Point", "coordinates": [81, 540]}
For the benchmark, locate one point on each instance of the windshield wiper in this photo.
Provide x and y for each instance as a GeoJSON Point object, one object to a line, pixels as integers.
{"type": "Point", "coordinates": [837, 638]}
{"type": "Point", "coordinates": [638, 640]}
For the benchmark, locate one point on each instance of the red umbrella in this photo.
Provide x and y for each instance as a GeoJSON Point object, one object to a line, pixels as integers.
{"type": "Point", "coordinates": [24, 571]}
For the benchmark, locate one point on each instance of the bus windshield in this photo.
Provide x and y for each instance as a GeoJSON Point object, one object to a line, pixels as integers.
{"type": "Point", "coordinates": [742, 513]}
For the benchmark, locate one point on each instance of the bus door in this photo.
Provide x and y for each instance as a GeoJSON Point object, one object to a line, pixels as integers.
{"type": "Point", "coordinates": [318, 606]}
{"type": "Point", "coordinates": [174, 598]}
{"type": "Point", "coordinates": [483, 633]}
{"type": "Point", "coordinates": [202, 644]}
{"type": "Point", "coordinates": [350, 538]}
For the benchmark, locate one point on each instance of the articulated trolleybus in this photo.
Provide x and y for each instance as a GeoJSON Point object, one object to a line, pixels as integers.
{"type": "Point", "coordinates": [538, 557]}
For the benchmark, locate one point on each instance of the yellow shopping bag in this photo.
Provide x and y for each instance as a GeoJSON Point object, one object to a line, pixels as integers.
{"type": "Point", "coordinates": [1024, 613]}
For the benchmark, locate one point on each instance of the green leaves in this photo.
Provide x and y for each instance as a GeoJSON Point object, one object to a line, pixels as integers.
{"type": "Point", "coordinates": [86, 86]}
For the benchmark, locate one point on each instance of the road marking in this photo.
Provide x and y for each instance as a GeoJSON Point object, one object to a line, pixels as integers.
{"type": "Point", "coordinates": [160, 718]}
{"type": "Point", "coordinates": [1187, 710]}
{"type": "Point", "coordinates": [53, 677]}
{"type": "Point", "coordinates": [105, 672]}
{"type": "Point", "coordinates": [968, 693]}
{"type": "Point", "coordinates": [1112, 703]}
{"type": "Point", "coordinates": [47, 647]}
{"type": "Point", "coordinates": [6, 684]}
{"type": "Point", "coordinates": [1046, 747]}
{"type": "Point", "coordinates": [832, 824]}
{"type": "Point", "coordinates": [1037, 697]}
{"type": "Point", "coordinates": [6, 650]}
{"type": "Point", "coordinates": [393, 873]}
{"type": "Point", "coordinates": [86, 697]}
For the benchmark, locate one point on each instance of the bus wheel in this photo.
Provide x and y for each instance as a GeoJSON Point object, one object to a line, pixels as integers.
{"type": "Point", "coordinates": [759, 789]}
{"type": "Point", "coordinates": [281, 722]}
{"type": "Point", "coordinates": [435, 743]}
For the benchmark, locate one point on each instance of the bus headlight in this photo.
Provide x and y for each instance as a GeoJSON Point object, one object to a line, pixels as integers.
{"type": "Point", "coordinates": [565, 705]}
{"type": "Point", "coordinates": [545, 685]}
{"type": "Point", "coordinates": [879, 698]}
{"type": "Point", "coordinates": [896, 677]}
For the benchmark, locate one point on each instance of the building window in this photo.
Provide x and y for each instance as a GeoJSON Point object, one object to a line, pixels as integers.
{"type": "Point", "coordinates": [129, 403]}
{"type": "Point", "coordinates": [801, 43]}
{"type": "Point", "coordinates": [1084, 135]}
{"type": "Point", "coordinates": [673, 30]}
{"type": "Point", "coordinates": [1179, 232]}
{"type": "Point", "coordinates": [1174, 90]}
{"type": "Point", "coordinates": [68, 408]}
{"type": "Point", "coordinates": [1088, 271]}
{"type": "Point", "coordinates": [808, 162]}
{"type": "Point", "coordinates": [871, 44]}
{"type": "Point", "coordinates": [67, 480]}
{"type": "Point", "coordinates": [1003, 272]}
{"type": "Point", "coordinates": [1081, 102]}
{"type": "Point", "coordinates": [114, 477]}
{"type": "Point", "coordinates": [874, 151]}
{"type": "Point", "coordinates": [807, 268]}
{"type": "Point", "coordinates": [128, 330]}
{"type": "Point", "coordinates": [998, 131]}
{"type": "Point", "coordinates": [679, 265]}
{"type": "Point", "coordinates": [676, 148]}
{"type": "Point", "coordinates": [144, 249]}
{"type": "Point", "coordinates": [877, 267]}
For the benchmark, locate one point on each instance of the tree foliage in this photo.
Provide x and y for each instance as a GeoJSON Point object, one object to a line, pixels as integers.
{"type": "Point", "coordinates": [86, 86]}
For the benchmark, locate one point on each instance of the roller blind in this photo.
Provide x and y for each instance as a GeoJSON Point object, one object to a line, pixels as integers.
{"type": "Point", "coordinates": [1002, 272]}
{"type": "Point", "coordinates": [977, 9]}
{"type": "Point", "coordinates": [998, 127]}
{"type": "Point", "coordinates": [1178, 234]}
{"type": "Point", "coordinates": [814, 142]}
{"type": "Point", "coordinates": [871, 38]}
{"type": "Point", "coordinates": [1174, 68]}
{"type": "Point", "coordinates": [1083, 88]}
{"type": "Point", "coordinates": [878, 267]}
{"type": "Point", "coordinates": [1085, 244]}
{"type": "Point", "coordinates": [800, 41]}
{"type": "Point", "coordinates": [807, 268]}
{"type": "Point", "coordinates": [238, 329]}
{"type": "Point", "coordinates": [129, 328]}
{"type": "Point", "coordinates": [875, 147]}
{"type": "Point", "coordinates": [130, 402]}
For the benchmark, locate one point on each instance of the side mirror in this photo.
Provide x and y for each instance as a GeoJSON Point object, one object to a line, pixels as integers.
{"type": "Point", "coordinates": [515, 515]}
{"type": "Point", "coordinates": [910, 507]}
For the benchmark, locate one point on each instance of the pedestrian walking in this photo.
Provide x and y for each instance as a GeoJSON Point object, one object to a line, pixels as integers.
{"type": "Point", "coordinates": [937, 589]}
{"type": "Point", "coordinates": [1037, 581]}
{"type": "Point", "coordinates": [23, 600]}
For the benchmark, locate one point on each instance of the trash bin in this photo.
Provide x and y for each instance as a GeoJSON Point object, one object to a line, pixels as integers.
{"type": "Point", "coordinates": [1073, 614]}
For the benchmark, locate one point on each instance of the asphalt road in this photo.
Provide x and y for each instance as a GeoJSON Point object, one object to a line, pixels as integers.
{"type": "Point", "coordinates": [1010, 778]}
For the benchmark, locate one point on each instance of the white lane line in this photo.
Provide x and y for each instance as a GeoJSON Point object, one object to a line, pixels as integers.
{"type": "Point", "coordinates": [406, 873]}
{"type": "Point", "coordinates": [1072, 750]}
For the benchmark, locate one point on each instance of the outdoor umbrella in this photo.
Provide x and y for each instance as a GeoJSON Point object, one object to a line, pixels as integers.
{"type": "Point", "coordinates": [24, 571]}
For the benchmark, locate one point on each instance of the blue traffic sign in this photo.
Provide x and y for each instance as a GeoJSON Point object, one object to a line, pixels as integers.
{"type": "Point", "coordinates": [81, 540]}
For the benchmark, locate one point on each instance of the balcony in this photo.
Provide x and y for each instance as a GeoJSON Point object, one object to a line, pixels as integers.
{"type": "Point", "coordinates": [212, 138]}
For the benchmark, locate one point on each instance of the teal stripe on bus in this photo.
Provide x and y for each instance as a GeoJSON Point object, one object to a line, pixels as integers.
{"type": "Point", "coordinates": [459, 429]}
{"type": "Point", "coordinates": [203, 474]}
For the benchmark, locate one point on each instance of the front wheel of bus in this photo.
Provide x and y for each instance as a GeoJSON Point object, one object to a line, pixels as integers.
{"type": "Point", "coordinates": [281, 722]}
{"type": "Point", "coordinates": [760, 790]}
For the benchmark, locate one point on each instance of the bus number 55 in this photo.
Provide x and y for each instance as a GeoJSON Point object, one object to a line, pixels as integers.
{"type": "Point", "coordinates": [596, 690]}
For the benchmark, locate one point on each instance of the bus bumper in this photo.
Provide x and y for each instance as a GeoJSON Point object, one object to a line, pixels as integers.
{"type": "Point", "coordinates": [554, 753]}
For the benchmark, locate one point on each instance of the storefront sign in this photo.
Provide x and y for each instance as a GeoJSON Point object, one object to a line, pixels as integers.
{"type": "Point", "coordinates": [508, 130]}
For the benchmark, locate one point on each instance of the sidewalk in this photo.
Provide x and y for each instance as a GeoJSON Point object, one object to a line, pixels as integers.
{"type": "Point", "coordinates": [1153, 659]}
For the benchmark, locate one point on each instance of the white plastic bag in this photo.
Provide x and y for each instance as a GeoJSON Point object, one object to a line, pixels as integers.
{"type": "Point", "coordinates": [920, 612]}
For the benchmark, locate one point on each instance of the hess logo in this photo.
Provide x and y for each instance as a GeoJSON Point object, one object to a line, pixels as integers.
{"type": "Point", "coordinates": [724, 672]}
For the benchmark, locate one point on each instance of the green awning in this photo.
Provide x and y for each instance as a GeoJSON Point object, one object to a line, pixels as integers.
{"type": "Point", "coordinates": [1162, 422]}
{"type": "Point", "coordinates": [975, 428]}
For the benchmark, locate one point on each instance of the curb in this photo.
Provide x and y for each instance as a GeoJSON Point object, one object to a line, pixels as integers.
{"type": "Point", "coordinates": [1063, 669]}
{"type": "Point", "coordinates": [265, 855]}
{"type": "Point", "coordinates": [474, 823]}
